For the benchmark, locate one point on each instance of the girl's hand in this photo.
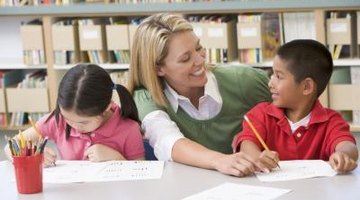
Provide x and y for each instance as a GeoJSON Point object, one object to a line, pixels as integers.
{"type": "Point", "coordinates": [237, 164]}
{"type": "Point", "coordinates": [49, 157]}
{"type": "Point", "coordinates": [100, 152]}
{"type": "Point", "coordinates": [269, 159]}
{"type": "Point", "coordinates": [341, 162]}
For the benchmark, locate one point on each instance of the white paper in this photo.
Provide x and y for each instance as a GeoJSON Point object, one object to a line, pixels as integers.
{"type": "Point", "coordinates": [231, 191]}
{"type": "Point", "coordinates": [90, 34]}
{"type": "Point", "coordinates": [297, 169]}
{"type": "Point", "coordinates": [248, 32]}
{"type": "Point", "coordinates": [216, 32]}
{"type": "Point", "coordinates": [338, 27]}
{"type": "Point", "coordinates": [86, 171]}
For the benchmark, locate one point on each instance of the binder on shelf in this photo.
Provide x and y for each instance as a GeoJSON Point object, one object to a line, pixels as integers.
{"type": "Point", "coordinates": [28, 96]}
{"type": "Point", "coordinates": [33, 43]}
{"type": "Point", "coordinates": [340, 32]}
{"type": "Point", "coordinates": [27, 99]}
{"type": "Point", "coordinates": [117, 40]}
{"type": "Point", "coordinates": [65, 39]}
{"type": "Point", "coordinates": [342, 93]}
{"type": "Point", "coordinates": [258, 37]}
{"type": "Point", "coordinates": [217, 35]}
{"type": "Point", "coordinates": [7, 78]}
{"type": "Point", "coordinates": [92, 41]}
{"type": "Point", "coordinates": [298, 25]}
{"type": "Point", "coordinates": [358, 32]}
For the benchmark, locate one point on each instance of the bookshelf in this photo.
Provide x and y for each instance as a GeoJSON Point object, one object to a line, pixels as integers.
{"type": "Point", "coordinates": [49, 14]}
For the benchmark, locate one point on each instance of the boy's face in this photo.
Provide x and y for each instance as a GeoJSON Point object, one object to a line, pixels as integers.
{"type": "Point", "coordinates": [285, 92]}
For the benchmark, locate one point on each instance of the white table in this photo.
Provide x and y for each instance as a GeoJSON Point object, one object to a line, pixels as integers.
{"type": "Point", "coordinates": [180, 181]}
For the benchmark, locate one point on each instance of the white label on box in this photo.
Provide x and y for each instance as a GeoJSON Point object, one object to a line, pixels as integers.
{"type": "Point", "coordinates": [216, 32]}
{"type": "Point", "coordinates": [198, 31]}
{"type": "Point", "coordinates": [338, 27]}
{"type": "Point", "coordinates": [248, 32]}
{"type": "Point", "coordinates": [90, 34]}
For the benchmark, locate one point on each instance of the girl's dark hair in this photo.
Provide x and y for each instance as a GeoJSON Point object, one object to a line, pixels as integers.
{"type": "Point", "coordinates": [87, 89]}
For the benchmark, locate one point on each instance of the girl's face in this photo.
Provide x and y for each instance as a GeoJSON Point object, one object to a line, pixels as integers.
{"type": "Point", "coordinates": [184, 66]}
{"type": "Point", "coordinates": [285, 91]}
{"type": "Point", "coordinates": [83, 124]}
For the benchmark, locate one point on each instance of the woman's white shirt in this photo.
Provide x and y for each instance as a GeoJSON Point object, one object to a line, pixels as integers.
{"type": "Point", "coordinates": [162, 132]}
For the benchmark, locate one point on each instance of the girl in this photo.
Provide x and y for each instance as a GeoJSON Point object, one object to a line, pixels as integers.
{"type": "Point", "coordinates": [86, 123]}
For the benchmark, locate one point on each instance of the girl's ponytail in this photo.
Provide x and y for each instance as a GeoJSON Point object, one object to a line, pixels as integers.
{"type": "Point", "coordinates": [128, 106]}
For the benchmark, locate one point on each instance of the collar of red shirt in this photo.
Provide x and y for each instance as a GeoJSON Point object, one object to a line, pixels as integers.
{"type": "Point", "coordinates": [318, 113]}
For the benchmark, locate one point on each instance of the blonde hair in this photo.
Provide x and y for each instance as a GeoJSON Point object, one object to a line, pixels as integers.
{"type": "Point", "coordinates": [149, 49]}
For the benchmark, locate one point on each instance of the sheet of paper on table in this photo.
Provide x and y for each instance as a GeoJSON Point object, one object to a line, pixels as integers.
{"type": "Point", "coordinates": [297, 169]}
{"type": "Point", "coordinates": [234, 191]}
{"type": "Point", "coordinates": [86, 171]}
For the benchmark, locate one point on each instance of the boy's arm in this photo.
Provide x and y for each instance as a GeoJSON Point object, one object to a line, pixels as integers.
{"type": "Point", "coordinates": [266, 159]}
{"type": "Point", "coordinates": [344, 159]}
{"type": "Point", "coordinates": [348, 148]}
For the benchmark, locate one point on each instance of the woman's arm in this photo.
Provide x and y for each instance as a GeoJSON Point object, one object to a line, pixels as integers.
{"type": "Point", "coordinates": [170, 144]}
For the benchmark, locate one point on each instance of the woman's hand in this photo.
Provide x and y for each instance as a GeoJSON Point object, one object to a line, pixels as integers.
{"type": "Point", "coordinates": [100, 152]}
{"type": "Point", "coordinates": [237, 164]}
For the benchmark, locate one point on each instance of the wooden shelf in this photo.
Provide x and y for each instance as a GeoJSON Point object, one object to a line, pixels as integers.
{"type": "Point", "coordinates": [355, 128]}
{"type": "Point", "coordinates": [101, 9]}
{"type": "Point", "coordinates": [104, 65]}
{"type": "Point", "coordinates": [14, 128]}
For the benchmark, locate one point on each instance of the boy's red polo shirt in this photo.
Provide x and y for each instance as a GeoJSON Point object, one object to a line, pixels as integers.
{"type": "Point", "coordinates": [317, 141]}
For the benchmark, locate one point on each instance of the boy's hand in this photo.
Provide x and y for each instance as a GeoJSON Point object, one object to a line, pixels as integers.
{"type": "Point", "coordinates": [49, 157]}
{"type": "Point", "coordinates": [269, 159]}
{"type": "Point", "coordinates": [341, 162]}
{"type": "Point", "coordinates": [100, 152]}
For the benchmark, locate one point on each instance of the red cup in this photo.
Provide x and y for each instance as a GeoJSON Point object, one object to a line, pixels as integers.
{"type": "Point", "coordinates": [28, 173]}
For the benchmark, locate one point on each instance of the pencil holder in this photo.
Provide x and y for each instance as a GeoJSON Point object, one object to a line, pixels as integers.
{"type": "Point", "coordinates": [28, 173]}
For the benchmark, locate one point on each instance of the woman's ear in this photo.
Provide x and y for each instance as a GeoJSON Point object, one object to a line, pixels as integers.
{"type": "Point", "coordinates": [309, 86]}
{"type": "Point", "coordinates": [160, 70]}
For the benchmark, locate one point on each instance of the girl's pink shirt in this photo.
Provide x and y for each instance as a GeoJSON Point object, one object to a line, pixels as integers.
{"type": "Point", "coordinates": [121, 134]}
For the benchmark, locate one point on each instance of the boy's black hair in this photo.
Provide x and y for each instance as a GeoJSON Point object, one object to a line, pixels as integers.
{"type": "Point", "coordinates": [87, 89]}
{"type": "Point", "coordinates": [308, 58]}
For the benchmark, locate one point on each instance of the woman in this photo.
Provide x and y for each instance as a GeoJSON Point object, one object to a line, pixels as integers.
{"type": "Point", "coordinates": [190, 112]}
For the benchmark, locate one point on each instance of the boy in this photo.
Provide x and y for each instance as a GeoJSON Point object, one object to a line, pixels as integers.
{"type": "Point", "coordinates": [295, 125]}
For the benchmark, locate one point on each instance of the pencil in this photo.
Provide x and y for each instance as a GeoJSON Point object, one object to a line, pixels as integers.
{"type": "Point", "coordinates": [34, 127]}
{"type": "Point", "coordinates": [258, 135]}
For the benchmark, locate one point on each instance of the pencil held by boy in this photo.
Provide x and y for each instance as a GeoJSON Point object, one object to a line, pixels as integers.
{"type": "Point", "coordinates": [86, 124]}
{"type": "Point", "coordinates": [295, 125]}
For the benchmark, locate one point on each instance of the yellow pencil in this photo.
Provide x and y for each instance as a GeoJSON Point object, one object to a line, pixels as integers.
{"type": "Point", "coordinates": [258, 135]}
{"type": "Point", "coordinates": [22, 139]}
{"type": "Point", "coordinates": [34, 127]}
